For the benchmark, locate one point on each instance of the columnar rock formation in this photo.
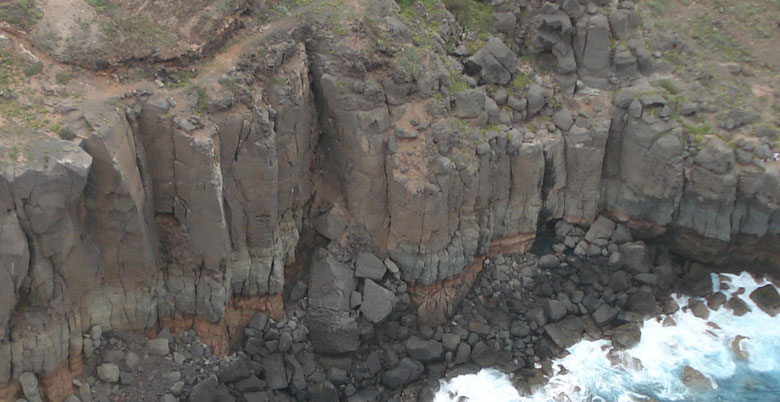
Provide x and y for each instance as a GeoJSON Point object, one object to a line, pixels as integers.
{"type": "Point", "coordinates": [166, 206]}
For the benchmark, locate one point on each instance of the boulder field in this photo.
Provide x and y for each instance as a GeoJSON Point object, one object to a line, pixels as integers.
{"type": "Point", "coordinates": [354, 210]}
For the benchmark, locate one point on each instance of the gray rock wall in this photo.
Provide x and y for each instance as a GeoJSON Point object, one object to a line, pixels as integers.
{"type": "Point", "coordinates": [653, 180]}
{"type": "Point", "coordinates": [164, 211]}
{"type": "Point", "coordinates": [151, 218]}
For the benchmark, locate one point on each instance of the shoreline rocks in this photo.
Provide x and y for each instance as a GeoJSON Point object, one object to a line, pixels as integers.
{"type": "Point", "coordinates": [518, 315]}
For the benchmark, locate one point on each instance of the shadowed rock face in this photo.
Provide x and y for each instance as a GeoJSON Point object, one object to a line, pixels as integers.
{"type": "Point", "coordinates": [159, 211]}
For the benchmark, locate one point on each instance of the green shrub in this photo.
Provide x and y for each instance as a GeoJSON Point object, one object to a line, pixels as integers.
{"type": "Point", "coordinates": [33, 69]}
{"type": "Point", "coordinates": [63, 77]}
{"type": "Point", "coordinates": [520, 82]}
{"type": "Point", "coordinates": [21, 13]}
{"type": "Point", "coordinates": [668, 85]}
{"type": "Point", "coordinates": [458, 83]}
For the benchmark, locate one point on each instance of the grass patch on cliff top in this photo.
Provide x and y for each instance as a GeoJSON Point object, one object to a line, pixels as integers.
{"type": "Point", "coordinates": [698, 132]}
{"type": "Point", "coordinates": [422, 19]}
{"type": "Point", "coordinates": [458, 83]}
{"type": "Point", "coordinates": [472, 15]}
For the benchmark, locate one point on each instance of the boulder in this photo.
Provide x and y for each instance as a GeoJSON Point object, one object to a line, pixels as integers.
{"type": "Point", "coordinates": [566, 332]}
{"type": "Point", "coordinates": [602, 228]}
{"type": "Point", "coordinates": [463, 353]}
{"type": "Point", "coordinates": [126, 378]}
{"type": "Point", "coordinates": [260, 396]}
{"type": "Point", "coordinates": [205, 391]}
{"type": "Point", "coordinates": [636, 257]}
{"type": "Point", "coordinates": [736, 118]}
{"type": "Point", "coordinates": [716, 156]}
{"type": "Point", "coordinates": [168, 398]}
{"type": "Point", "coordinates": [275, 372]}
{"type": "Point", "coordinates": [337, 376]}
{"type": "Point", "coordinates": [333, 332]}
{"type": "Point", "coordinates": [716, 300]}
{"type": "Point", "coordinates": [642, 302]}
{"type": "Point", "coordinates": [666, 275]}
{"type": "Point", "coordinates": [158, 347]}
{"type": "Point", "coordinates": [29, 385]}
{"type": "Point", "coordinates": [505, 21]}
{"type": "Point", "coordinates": [620, 22]}
{"type": "Point", "coordinates": [647, 279]}
{"type": "Point", "coordinates": [332, 224]}
{"type": "Point", "coordinates": [604, 315]}
{"type": "Point", "coordinates": [622, 234]}
{"type": "Point", "coordinates": [695, 379]}
{"type": "Point", "coordinates": [250, 384]}
{"type": "Point", "coordinates": [519, 329]}
{"type": "Point", "coordinates": [536, 100]}
{"type": "Point", "coordinates": [356, 299]}
{"type": "Point", "coordinates": [108, 372]}
{"type": "Point", "coordinates": [620, 281]}
{"type": "Point", "coordinates": [517, 104]}
{"type": "Point", "coordinates": [331, 283]}
{"type": "Point", "coordinates": [369, 266]}
{"type": "Point", "coordinates": [494, 63]}
{"type": "Point", "coordinates": [424, 350]}
{"type": "Point", "coordinates": [258, 322]}
{"type": "Point", "coordinates": [573, 8]}
{"type": "Point", "coordinates": [450, 341]}
{"type": "Point", "coordinates": [554, 309]}
{"type": "Point", "coordinates": [737, 306]}
{"type": "Point", "coordinates": [406, 372]}
{"type": "Point", "coordinates": [469, 104]}
{"type": "Point", "coordinates": [484, 355]}
{"type": "Point", "coordinates": [626, 335]}
{"type": "Point", "coordinates": [171, 376]}
{"type": "Point", "coordinates": [765, 132]}
{"type": "Point", "coordinates": [700, 309]}
{"type": "Point", "coordinates": [738, 349]}
{"type": "Point", "coordinates": [592, 45]}
{"type": "Point", "coordinates": [323, 391]}
{"type": "Point", "coordinates": [549, 261]}
{"type": "Point", "coordinates": [234, 371]}
{"type": "Point", "coordinates": [697, 282]}
{"type": "Point", "coordinates": [767, 299]}
{"type": "Point", "coordinates": [377, 302]}
{"type": "Point", "coordinates": [670, 306]}
{"type": "Point", "coordinates": [563, 119]}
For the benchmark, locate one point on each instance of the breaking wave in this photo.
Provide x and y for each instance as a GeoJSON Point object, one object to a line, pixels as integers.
{"type": "Point", "coordinates": [738, 356]}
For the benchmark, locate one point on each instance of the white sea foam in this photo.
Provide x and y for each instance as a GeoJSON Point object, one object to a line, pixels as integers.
{"type": "Point", "coordinates": [486, 386]}
{"type": "Point", "coordinates": [652, 369]}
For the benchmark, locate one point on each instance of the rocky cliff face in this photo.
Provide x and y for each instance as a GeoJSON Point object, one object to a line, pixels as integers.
{"type": "Point", "coordinates": [173, 205]}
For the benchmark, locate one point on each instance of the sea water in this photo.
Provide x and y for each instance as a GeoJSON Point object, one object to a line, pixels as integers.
{"type": "Point", "coordinates": [653, 368]}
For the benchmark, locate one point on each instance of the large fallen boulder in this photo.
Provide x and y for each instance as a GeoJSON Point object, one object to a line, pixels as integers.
{"type": "Point", "coordinates": [494, 63]}
{"type": "Point", "coordinates": [566, 332]}
{"type": "Point", "coordinates": [626, 335]}
{"type": "Point", "coordinates": [333, 332]}
{"type": "Point", "coordinates": [767, 299]}
{"type": "Point", "coordinates": [331, 283]}
{"type": "Point", "coordinates": [406, 372]}
{"type": "Point", "coordinates": [695, 379]}
{"type": "Point", "coordinates": [377, 302]}
{"type": "Point", "coordinates": [424, 350]}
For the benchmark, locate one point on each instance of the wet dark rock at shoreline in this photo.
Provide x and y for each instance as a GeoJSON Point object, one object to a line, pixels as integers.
{"type": "Point", "coordinates": [517, 318]}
